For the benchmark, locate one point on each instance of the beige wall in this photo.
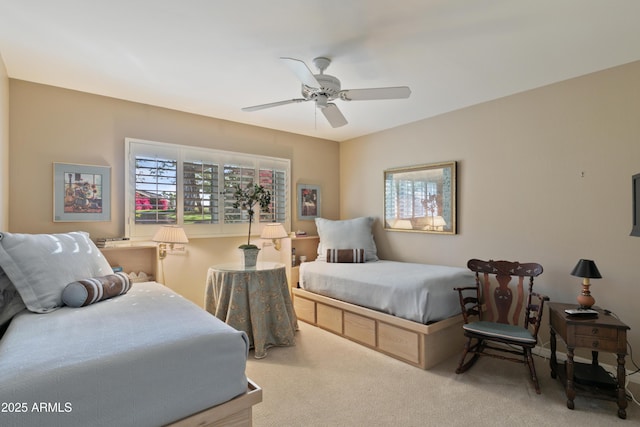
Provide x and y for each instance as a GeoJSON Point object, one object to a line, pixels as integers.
{"type": "Point", "coordinates": [4, 146]}
{"type": "Point", "coordinates": [522, 195]}
{"type": "Point", "coordinates": [50, 124]}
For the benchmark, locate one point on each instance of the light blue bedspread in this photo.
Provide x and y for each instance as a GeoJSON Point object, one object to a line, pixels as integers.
{"type": "Point", "coordinates": [419, 292]}
{"type": "Point", "coordinates": [145, 358]}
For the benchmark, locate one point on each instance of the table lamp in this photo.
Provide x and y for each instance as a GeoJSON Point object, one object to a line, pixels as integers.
{"type": "Point", "coordinates": [586, 269]}
{"type": "Point", "coordinates": [274, 231]}
{"type": "Point", "coordinates": [403, 224]}
{"type": "Point", "coordinates": [437, 223]}
{"type": "Point", "coordinates": [169, 234]}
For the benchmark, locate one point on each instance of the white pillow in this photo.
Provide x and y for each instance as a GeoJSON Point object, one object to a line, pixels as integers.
{"type": "Point", "coordinates": [41, 265]}
{"type": "Point", "coordinates": [10, 301]}
{"type": "Point", "coordinates": [346, 234]}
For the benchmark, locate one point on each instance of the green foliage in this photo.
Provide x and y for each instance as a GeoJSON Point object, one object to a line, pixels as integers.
{"type": "Point", "coordinates": [246, 199]}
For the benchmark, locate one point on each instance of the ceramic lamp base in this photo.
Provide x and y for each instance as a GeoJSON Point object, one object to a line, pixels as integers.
{"type": "Point", "coordinates": [585, 299]}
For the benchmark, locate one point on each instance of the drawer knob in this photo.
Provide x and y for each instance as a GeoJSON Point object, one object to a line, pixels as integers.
{"type": "Point", "coordinates": [594, 331]}
{"type": "Point", "coordinates": [595, 344]}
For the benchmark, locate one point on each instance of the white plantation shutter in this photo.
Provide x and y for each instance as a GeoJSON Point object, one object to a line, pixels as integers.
{"type": "Point", "coordinates": [200, 188]}
{"type": "Point", "coordinates": [193, 188]}
{"type": "Point", "coordinates": [236, 175]}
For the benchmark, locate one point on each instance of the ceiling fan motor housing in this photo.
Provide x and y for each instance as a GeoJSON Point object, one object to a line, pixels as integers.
{"type": "Point", "coordinates": [329, 87]}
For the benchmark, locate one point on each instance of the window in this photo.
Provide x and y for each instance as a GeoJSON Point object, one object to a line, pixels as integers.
{"type": "Point", "coordinates": [192, 187]}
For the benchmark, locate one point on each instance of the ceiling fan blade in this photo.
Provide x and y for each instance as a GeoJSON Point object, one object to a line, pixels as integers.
{"type": "Point", "coordinates": [273, 104]}
{"type": "Point", "coordinates": [334, 115]}
{"type": "Point", "coordinates": [302, 71]}
{"type": "Point", "coordinates": [375, 93]}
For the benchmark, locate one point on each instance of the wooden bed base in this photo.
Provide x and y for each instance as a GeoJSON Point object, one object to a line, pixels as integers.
{"type": "Point", "coordinates": [236, 412]}
{"type": "Point", "coordinates": [414, 343]}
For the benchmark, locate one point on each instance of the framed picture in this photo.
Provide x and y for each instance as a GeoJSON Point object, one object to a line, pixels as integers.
{"type": "Point", "coordinates": [421, 198]}
{"type": "Point", "coordinates": [635, 204]}
{"type": "Point", "coordinates": [309, 202]}
{"type": "Point", "coordinates": [81, 193]}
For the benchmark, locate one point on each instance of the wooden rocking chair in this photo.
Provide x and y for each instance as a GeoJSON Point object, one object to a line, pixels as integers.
{"type": "Point", "coordinates": [494, 327]}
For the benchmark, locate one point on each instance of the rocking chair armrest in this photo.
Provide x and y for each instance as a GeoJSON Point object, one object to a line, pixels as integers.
{"type": "Point", "coordinates": [537, 318]}
{"type": "Point", "coordinates": [541, 299]}
{"type": "Point", "coordinates": [464, 300]}
{"type": "Point", "coordinates": [469, 305]}
{"type": "Point", "coordinates": [466, 288]}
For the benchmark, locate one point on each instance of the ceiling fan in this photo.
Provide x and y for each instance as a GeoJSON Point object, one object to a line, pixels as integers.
{"type": "Point", "coordinates": [323, 88]}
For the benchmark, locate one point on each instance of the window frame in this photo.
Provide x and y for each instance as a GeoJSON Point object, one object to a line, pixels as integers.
{"type": "Point", "coordinates": [186, 153]}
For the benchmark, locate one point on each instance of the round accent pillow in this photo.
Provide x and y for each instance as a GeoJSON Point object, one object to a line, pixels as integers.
{"type": "Point", "coordinates": [88, 291]}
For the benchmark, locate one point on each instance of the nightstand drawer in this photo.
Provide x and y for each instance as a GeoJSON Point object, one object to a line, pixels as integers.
{"type": "Point", "coordinates": [598, 331]}
{"type": "Point", "coordinates": [597, 337]}
{"type": "Point", "coordinates": [597, 343]}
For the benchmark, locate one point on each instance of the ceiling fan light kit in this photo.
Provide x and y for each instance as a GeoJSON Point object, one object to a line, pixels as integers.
{"type": "Point", "coordinates": [323, 88]}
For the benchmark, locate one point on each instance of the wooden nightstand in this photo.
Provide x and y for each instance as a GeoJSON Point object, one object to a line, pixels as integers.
{"type": "Point", "coordinates": [303, 245]}
{"type": "Point", "coordinates": [604, 333]}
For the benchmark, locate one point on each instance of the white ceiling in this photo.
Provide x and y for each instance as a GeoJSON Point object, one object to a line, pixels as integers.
{"type": "Point", "coordinates": [215, 57]}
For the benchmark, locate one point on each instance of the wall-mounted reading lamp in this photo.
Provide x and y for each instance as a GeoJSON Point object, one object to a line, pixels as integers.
{"type": "Point", "coordinates": [274, 231]}
{"type": "Point", "coordinates": [169, 234]}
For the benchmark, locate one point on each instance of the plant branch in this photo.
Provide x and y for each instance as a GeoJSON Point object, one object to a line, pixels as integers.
{"type": "Point", "coordinates": [248, 197]}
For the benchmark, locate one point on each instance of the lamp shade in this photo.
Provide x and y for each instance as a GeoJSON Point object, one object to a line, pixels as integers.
{"type": "Point", "coordinates": [438, 221]}
{"type": "Point", "coordinates": [586, 268]}
{"type": "Point", "coordinates": [403, 224]}
{"type": "Point", "coordinates": [274, 230]}
{"type": "Point", "coordinates": [170, 234]}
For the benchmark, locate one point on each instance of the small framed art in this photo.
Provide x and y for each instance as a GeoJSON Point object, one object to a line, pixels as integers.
{"type": "Point", "coordinates": [635, 204]}
{"type": "Point", "coordinates": [309, 202]}
{"type": "Point", "coordinates": [81, 193]}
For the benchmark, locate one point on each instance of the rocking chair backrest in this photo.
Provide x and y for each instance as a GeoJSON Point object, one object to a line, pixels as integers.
{"type": "Point", "coordinates": [499, 303]}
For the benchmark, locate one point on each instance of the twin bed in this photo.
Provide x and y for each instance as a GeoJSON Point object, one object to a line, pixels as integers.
{"type": "Point", "coordinates": [146, 357]}
{"type": "Point", "coordinates": [405, 310]}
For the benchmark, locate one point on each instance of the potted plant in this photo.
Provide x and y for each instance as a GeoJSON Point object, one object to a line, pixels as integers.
{"type": "Point", "coordinates": [246, 199]}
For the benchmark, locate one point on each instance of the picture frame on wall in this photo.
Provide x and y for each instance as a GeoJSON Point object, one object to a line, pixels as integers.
{"type": "Point", "coordinates": [309, 201]}
{"type": "Point", "coordinates": [635, 205]}
{"type": "Point", "coordinates": [421, 198]}
{"type": "Point", "coordinates": [81, 193]}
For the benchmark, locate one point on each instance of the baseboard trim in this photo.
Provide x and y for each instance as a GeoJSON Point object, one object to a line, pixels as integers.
{"type": "Point", "coordinates": [546, 353]}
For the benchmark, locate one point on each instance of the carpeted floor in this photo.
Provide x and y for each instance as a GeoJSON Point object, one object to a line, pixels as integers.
{"type": "Point", "coordinates": [325, 380]}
